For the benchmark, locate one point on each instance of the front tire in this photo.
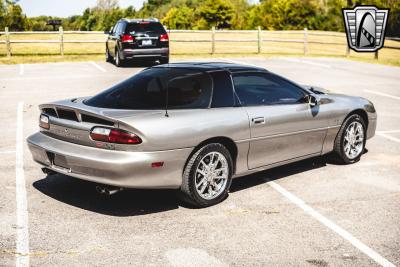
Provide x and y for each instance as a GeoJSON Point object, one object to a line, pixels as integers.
{"type": "Point", "coordinates": [207, 176]}
{"type": "Point", "coordinates": [350, 141]}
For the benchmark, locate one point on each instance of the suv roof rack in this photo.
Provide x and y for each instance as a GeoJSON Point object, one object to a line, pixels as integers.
{"type": "Point", "coordinates": [142, 19]}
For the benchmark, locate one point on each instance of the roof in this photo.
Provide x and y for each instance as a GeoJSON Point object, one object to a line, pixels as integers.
{"type": "Point", "coordinates": [231, 67]}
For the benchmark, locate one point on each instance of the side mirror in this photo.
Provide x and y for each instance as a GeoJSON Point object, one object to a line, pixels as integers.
{"type": "Point", "coordinates": [313, 100]}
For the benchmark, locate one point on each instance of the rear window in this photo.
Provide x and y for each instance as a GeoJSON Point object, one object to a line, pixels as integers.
{"type": "Point", "coordinates": [187, 89]}
{"type": "Point", "coordinates": [143, 27]}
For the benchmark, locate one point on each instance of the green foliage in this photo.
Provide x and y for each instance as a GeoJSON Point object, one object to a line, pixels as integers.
{"type": "Point", "coordinates": [216, 13]}
{"type": "Point", "coordinates": [204, 14]}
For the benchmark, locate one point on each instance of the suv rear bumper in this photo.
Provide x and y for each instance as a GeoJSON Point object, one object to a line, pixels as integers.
{"type": "Point", "coordinates": [146, 53]}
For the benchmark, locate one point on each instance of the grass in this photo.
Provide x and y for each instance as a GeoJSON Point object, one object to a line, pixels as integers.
{"type": "Point", "coordinates": [45, 52]}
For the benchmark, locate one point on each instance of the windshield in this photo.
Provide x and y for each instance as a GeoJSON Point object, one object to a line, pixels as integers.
{"type": "Point", "coordinates": [187, 89]}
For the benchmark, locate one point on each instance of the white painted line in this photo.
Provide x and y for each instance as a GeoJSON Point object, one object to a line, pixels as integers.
{"type": "Point", "coordinates": [388, 137]}
{"type": "Point", "coordinates": [240, 62]}
{"type": "Point", "coordinates": [7, 152]}
{"type": "Point", "coordinates": [21, 69]}
{"type": "Point", "coordinates": [97, 66]}
{"type": "Point", "coordinates": [382, 94]}
{"type": "Point", "coordinates": [331, 225]}
{"type": "Point", "coordinates": [22, 252]}
{"type": "Point", "coordinates": [390, 131]}
{"type": "Point", "coordinates": [307, 62]}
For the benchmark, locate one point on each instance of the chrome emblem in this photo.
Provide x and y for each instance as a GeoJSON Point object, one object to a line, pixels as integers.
{"type": "Point", "coordinates": [365, 27]}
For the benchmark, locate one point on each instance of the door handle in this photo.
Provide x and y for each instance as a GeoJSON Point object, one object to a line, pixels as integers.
{"type": "Point", "coordinates": [258, 120]}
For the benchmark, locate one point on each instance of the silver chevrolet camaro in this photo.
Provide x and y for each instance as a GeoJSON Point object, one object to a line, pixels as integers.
{"type": "Point", "coordinates": [194, 127]}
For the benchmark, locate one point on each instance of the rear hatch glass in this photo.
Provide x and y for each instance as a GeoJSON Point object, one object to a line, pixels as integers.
{"type": "Point", "coordinates": [144, 27]}
{"type": "Point", "coordinates": [187, 89]}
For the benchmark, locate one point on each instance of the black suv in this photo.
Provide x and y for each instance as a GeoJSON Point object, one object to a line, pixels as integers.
{"type": "Point", "coordinates": [137, 39]}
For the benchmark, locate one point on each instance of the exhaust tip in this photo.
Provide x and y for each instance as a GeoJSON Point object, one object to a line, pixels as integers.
{"type": "Point", "coordinates": [48, 171]}
{"type": "Point", "coordinates": [108, 190]}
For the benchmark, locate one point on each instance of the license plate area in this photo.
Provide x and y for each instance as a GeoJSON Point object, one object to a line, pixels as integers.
{"type": "Point", "coordinates": [147, 42]}
{"type": "Point", "coordinates": [59, 162]}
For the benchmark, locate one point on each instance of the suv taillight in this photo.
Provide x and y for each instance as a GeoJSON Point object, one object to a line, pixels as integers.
{"type": "Point", "coordinates": [127, 38]}
{"type": "Point", "coordinates": [114, 136]}
{"type": "Point", "coordinates": [164, 38]}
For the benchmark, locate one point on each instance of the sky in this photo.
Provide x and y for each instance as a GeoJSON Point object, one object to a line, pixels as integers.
{"type": "Point", "coordinates": [65, 8]}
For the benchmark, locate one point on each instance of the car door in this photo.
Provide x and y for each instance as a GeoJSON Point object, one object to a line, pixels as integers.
{"type": "Point", "coordinates": [283, 125]}
{"type": "Point", "coordinates": [114, 38]}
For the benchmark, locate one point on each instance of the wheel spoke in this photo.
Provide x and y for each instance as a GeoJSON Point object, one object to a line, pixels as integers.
{"type": "Point", "coordinates": [211, 175]}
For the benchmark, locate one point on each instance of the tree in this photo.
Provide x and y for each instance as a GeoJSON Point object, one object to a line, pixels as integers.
{"type": "Point", "coordinates": [16, 19]}
{"type": "Point", "coordinates": [181, 18]}
{"type": "Point", "coordinates": [217, 13]}
{"type": "Point", "coordinates": [106, 4]}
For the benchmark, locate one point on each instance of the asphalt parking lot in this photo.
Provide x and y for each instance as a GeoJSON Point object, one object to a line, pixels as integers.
{"type": "Point", "coordinates": [311, 213]}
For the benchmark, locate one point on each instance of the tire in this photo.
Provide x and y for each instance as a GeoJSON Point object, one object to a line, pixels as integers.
{"type": "Point", "coordinates": [119, 62]}
{"type": "Point", "coordinates": [199, 162]}
{"type": "Point", "coordinates": [164, 60]}
{"type": "Point", "coordinates": [344, 143]}
{"type": "Point", "coordinates": [108, 56]}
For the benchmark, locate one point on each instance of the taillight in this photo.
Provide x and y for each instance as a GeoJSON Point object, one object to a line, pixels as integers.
{"type": "Point", "coordinates": [164, 38]}
{"type": "Point", "coordinates": [127, 38]}
{"type": "Point", "coordinates": [114, 136]}
{"type": "Point", "coordinates": [44, 121]}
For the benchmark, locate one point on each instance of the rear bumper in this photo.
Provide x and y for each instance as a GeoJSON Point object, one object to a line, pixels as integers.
{"type": "Point", "coordinates": [117, 168]}
{"type": "Point", "coordinates": [146, 53]}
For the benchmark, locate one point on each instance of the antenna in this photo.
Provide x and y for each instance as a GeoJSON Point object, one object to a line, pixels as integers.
{"type": "Point", "coordinates": [166, 99]}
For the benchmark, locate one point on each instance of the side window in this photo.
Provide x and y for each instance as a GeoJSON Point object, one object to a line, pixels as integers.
{"type": "Point", "coordinates": [254, 89]}
{"type": "Point", "coordinates": [223, 90]}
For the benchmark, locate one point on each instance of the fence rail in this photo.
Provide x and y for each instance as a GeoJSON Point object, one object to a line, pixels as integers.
{"type": "Point", "coordinates": [258, 40]}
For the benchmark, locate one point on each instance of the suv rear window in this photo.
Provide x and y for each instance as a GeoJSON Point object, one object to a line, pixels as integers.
{"type": "Point", "coordinates": [187, 89]}
{"type": "Point", "coordinates": [153, 27]}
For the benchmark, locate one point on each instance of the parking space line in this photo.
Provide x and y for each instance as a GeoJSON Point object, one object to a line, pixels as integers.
{"type": "Point", "coordinates": [382, 94]}
{"type": "Point", "coordinates": [22, 239]}
{"type": "Point", "coordinates": [331, 225]}
{"type": "Point", "coordinates": [97, 66]}
{"type": "Point", "coordinates": [385, 135]}
{"type": "Point", "coordinates": [307, 62]}
{"type": "Point", "coordinates": [390, 131]}
{"type": "Point", "coordinates": [21, 69]}
{"type": "Point", "coordinates": [7, 152]}
{"type": "Point", "coordinates": [239, 62]}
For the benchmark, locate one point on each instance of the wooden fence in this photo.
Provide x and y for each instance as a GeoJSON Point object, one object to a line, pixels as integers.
{"type": "Point", "coordinates": [252, 36]}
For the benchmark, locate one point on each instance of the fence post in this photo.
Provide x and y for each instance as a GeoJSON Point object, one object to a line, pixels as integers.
{"type": "Point", "coordinates": [61, 31]}
{"type": "Point", "coordinates": [8, 45]}
{"type": "Point", "coordinates": [213, 40]}
{"type": "Point", "coordinates": [305, 41]}
{"type": "Point", "coordinates": [376, 55]}
{"type": "Point", "coordinates": [259, 39]}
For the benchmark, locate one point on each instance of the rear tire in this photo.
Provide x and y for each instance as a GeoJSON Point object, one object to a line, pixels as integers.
{"type": "Point", "coordinates": [207, 176]}
{"type": "Point", "coordinates": [119, 62]}
{"type": "Point", "coordinates": [108, 56]}
{"type": "Point", "coordinates": [164, 60]}
{"type": "Point", "coordinates": [351, 139]}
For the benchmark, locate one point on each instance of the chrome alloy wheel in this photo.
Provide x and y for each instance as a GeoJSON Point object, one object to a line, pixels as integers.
{"type": "Point", "coordinates": [353, 140]}
{"type": "Point", "coordinates": [211, 175]}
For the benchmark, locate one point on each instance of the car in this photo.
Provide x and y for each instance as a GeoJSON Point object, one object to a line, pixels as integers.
{"type": "Point", "coordinates": [194, 126]}
{"type": "Point", "coordinates": [132, 39]}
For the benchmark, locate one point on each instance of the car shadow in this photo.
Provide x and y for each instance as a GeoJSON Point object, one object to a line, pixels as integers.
{"type": "Point", "coordinates": [133, 202]}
